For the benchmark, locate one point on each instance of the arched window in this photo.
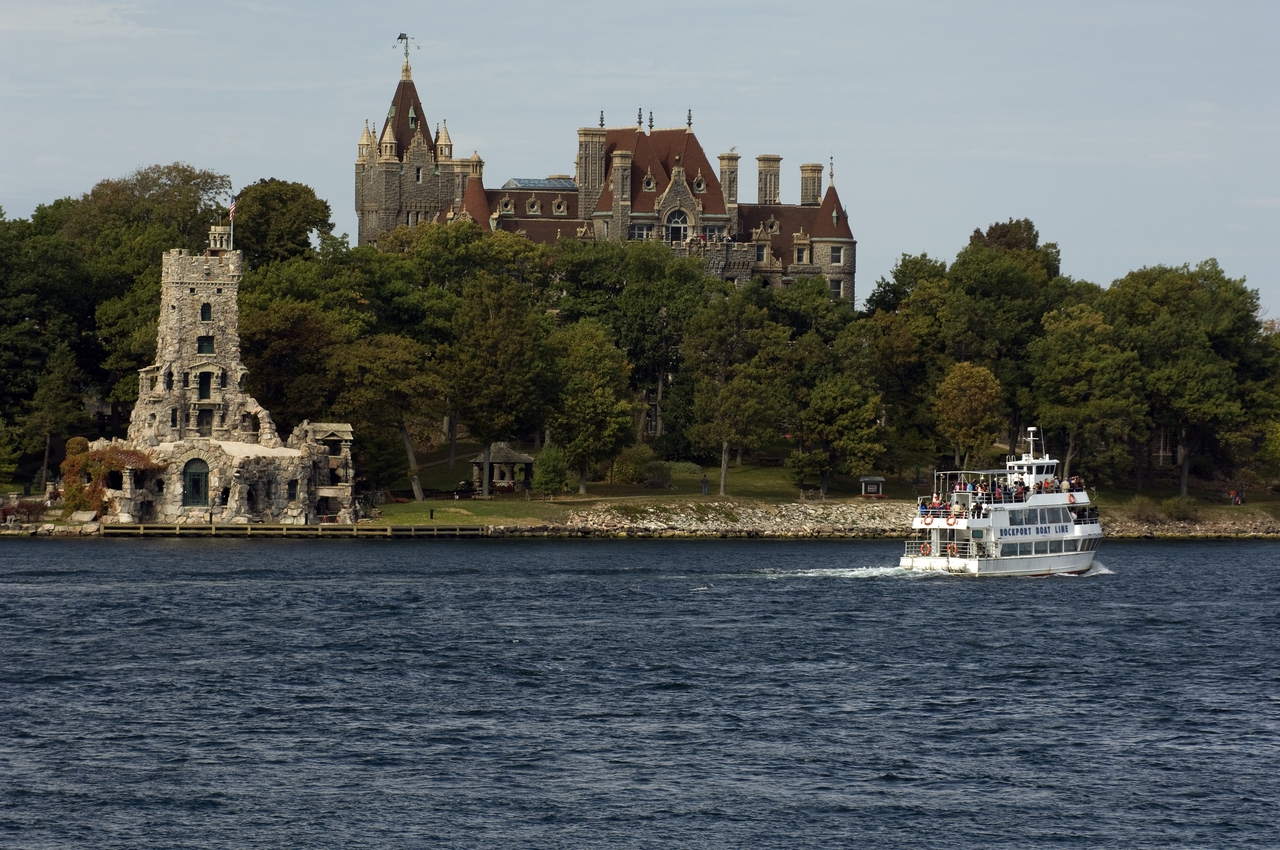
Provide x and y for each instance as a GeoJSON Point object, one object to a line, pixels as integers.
{"type": "Point", "coordinates": [206, 312]}
{"type": "Point", "coordinates": [195, 484]}
{"type": "Point", "coordinates": [677, 226]}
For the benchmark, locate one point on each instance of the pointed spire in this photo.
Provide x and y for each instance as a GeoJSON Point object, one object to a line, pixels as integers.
{"type": "Point", "coordinates": [831, 175]}
{"type": "Point", "coordinates": [650, 120]}
{"type": "Point", "coordinates": [602, 119]}
{"type": "Point", "coordinates": [689, 121]}
{"type": "Point", "coordinates": [639, 119]}
{"type": "Point", "coordinates": [442, 134]}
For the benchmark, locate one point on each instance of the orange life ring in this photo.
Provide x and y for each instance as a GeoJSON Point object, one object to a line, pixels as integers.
{"type": "Point", "coordinates": [1071, 498]}
{"type": "Point", "coordinates": [924, 549]}
{"type": "Point", "coordinates": [928, 520]}
{"type": "Point", "coordinates": [951, 549]}
{"type": "Point", "coordinates": [951, 520]}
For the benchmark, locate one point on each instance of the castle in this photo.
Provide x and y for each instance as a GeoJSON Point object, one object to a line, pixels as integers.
{"type": "Point", "coordinates": [214, 454]}
{"type": "Point", "coordinates": [628, 184]}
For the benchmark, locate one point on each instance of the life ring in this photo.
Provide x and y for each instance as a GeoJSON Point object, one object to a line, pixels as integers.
{"type": "Point", "coordinates": [951, 549]}
{"type": "Point", "coordinates": [924, 549]}
{"type": "Point", "coordinates": [928, 520]}
{"type": "Point", "coordinates": [1071, 498]}
{"type": "Point", "coordinates": [951, 520]}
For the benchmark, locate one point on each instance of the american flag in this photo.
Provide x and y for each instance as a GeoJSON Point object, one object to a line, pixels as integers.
{"type": "Point", "coordinates": [231, 213]}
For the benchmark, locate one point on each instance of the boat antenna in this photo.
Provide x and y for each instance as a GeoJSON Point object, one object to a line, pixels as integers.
{"type": "Point", "coordinates": [1031, 441]}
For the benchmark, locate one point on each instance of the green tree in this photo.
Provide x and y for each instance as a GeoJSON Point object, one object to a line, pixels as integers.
{"type": "Point", "coordinates": [550, 471]}
{"type": "Point", "coordinates": [593, 417]}
{"type": "Point", "coordinates": [57, 408]}
{"type": "Point", "coordinates": [493, 370]}
{"type": "Point", "coordinates": [969, 410]}
{"type": "Point", "coordinates": [9, 453]}
{"type": "Point", "coordinates": [889, 294]}
{"type": "Point", "coordinates": [838, 429]}
{"type": "Point", "coordinates": [385, 382]}
{"type": "Point", "coordinates": [276, 220]}
{"type": "Point", "coordinates": [1087, 388]}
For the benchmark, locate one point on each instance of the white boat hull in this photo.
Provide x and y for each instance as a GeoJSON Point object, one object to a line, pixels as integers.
{"type": "Point", "coordinates": [1034, 565]}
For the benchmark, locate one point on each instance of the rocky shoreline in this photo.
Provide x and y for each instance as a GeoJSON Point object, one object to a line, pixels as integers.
{"type": "Point", "coordinates": [858, 519]}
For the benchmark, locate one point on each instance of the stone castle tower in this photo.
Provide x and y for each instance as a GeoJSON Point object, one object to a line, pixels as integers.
{"type": "Point", "coordinates": [403, 176]}
{"type": "Point", "coordinates": [196, 387]}
{"type": "Point", "coordinates": [213, 454]}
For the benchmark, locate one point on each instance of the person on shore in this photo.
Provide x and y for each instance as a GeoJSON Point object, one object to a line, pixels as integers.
{"type": "Point", "coordinates": [705, 483]}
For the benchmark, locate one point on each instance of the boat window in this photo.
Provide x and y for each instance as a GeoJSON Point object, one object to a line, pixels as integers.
{"type": "Point", "coordinates": [1008, 550]}
{"type": "Point", "coordinates": [1055, 547]}
{"type": "Point", "coordinates": [1042, 547]}
{"type": "Point", "coordinates": [1055, 515]}
{"type": "Point", "coordinates": [1015, 517]}
{"type": "Point", "coordinates": [1024, 548]}
{"type": "Point", "coordinates": [1069, 545]}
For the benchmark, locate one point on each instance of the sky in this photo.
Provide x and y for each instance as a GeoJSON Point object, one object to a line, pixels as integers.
{"type": "Point", "coordinates": [1131, 133]}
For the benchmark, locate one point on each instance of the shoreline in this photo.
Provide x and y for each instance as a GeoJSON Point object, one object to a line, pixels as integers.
{"type": "Point", "coordinates": [713, 519]}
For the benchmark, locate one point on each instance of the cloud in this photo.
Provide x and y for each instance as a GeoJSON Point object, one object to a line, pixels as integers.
{"type": "Point", "coordinates": [75, 21]}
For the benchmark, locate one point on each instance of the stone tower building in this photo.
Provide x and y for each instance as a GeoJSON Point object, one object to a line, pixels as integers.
{"type": "Point", "coordinates": [214, 452]}
{"type": "Point", "coordinates": [403, 177]}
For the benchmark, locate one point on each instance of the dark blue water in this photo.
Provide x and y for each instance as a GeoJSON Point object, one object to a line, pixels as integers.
{"type": "Point", "coordinates": [631, 694]}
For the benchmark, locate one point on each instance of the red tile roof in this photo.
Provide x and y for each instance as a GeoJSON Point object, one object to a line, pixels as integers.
{"type": "Point", "coordinates": [831, 221]}
{"type": "Point", "coordinates": [475, 202]}
{"type": "Point", "coordinates": [406, 96]}
{"type": "Point", "coordinates": [658, 152]}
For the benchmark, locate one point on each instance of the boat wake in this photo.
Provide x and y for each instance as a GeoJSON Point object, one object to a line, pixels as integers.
{"type": "Point", "coordinates": [845, 572]}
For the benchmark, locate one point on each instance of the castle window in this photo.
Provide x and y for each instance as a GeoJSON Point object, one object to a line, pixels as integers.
{"type": "Point", "coordinates": [192, 290]}
{"type": "Point", "coordinates": [533, 207]}
{"type": "Point", "coordinates": [173, 417]}
{"type": "Point", "coordinates": [418, 174]}
{"type": "Point", "coordinates": [154, 381]}
{"type": "Point", "coordinates": [836, 287]}
{"type": "Point", "coordinates": [760, 250]}
{"type": "Point", "coordinates": [712, 232]}
{"type": "Point", "coordinates": [699, 185]}
{"type": "Point", "coordinates": [206, 312]}
{"type": "Point", "coordinates": [293, 490]}
{"type": "Point", "coordinates": [168, 380]}
{"type": "Point", "coordinates": [558, 207]}
{"type": "Point", "coordinates": [206, 385]}
{"type": "Point", "coordinates": [639, 231]}
{"type": "Point", "coordinates": [837, 256]}
{"type": "Point", "coordinates": [222, 379]}
{"type": "Point", "coordinates": [800, 255]}
{"type": "Point", "coordinates": [413, 119]}
{"type": "Point", "coordinates": [649, 185]}
{"type": "Point", "coordinates": [204, 345]}
{"type": "Point", "coordinates": [186, 380]}
{"type": "Point", "coordinates": [677, 226]}
{"type": "Point", "coordinates": [195, 484]}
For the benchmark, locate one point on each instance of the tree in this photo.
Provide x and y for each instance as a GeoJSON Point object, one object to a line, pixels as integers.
{"type": "Point", "coordinates": [889, 294]}
{"type": "Point", "coordinates": [58, 404]}
{"type": "Point", "coordinates": [550, 471]}
{"type": "Point", "coordinates": [1087, 387]}
{"type": "Point", "coordinates": [839, 432]}
{"type": "Point", "coordinates": [9, 451]}
{"type": "Point", "coordinates": [968, 410]}
{"type": "Point", "coordinates": [493, 370]}
{"type": "Point", "coordinates": [275, 220]}
{"type": "Point", "coordinates": [593, 417]}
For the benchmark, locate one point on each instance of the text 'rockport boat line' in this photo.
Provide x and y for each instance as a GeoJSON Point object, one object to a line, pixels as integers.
{"type": "Point", "coordinates": [1016, 521]}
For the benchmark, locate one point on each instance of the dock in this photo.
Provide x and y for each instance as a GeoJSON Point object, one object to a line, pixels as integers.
{"type": "Point", "coordinates": [452, 532]}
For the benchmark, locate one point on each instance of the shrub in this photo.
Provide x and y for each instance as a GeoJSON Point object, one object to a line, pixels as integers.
{"type": "Point", "coordinates": [77, 446]}
{"type": "Point", "coordinates": [84, 475]}
{"type": "Point", "coordinates": [1180, 510]}
{"type": "Point", "coordinates": [629, 468]}
{"type": "Point", "coordinates": [1142, 509]}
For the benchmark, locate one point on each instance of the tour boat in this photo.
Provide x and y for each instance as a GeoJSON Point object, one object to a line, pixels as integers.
{"type": "Point", "coordinates": [1016, 521]}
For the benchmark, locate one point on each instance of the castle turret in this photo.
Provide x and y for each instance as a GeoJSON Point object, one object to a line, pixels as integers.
{"type": "Point", "coordinates": [387, 147]}
{"type": "Point", "coordinates": [365, 145]}
{"type": "Point", "coordinates": [444, 144]}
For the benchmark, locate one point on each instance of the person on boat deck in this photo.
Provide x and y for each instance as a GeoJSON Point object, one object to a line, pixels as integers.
{"type": "Point", "coordinates": [935, 506]}
{"type": "Point", "coordinates": [999, 493]}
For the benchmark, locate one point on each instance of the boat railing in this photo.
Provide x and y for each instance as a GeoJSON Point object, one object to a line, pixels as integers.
{"type": "Point", "coordinates": [946, 549]}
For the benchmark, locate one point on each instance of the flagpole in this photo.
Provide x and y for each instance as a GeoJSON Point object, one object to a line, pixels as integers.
{"type": "Point", "coordinates": [233, 223]}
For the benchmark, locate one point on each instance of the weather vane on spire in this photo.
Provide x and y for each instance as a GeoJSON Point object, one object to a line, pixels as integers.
{"type": "Point", "coordinates": [406, 39]}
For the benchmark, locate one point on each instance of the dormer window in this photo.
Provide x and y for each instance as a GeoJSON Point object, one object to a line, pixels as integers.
{"type": "Point", "coordinates": [800, 255]}
{"type": "Point", "coordinates": [699, 185]}
{"type": "Point", "coordinates": [760, 251]}
{"type": "Point", "coordinates": [413, 119]}
{"type": "Point", "coordinates": [649, 185]}
{"type": "Point", "coordinates": [506, 207]}
{"type": "Point", "coordinates": [558, 207]}
{"type": "Point", "coordinates": [533, 207]}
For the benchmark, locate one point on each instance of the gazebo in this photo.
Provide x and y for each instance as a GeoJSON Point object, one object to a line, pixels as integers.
{"type": "Point", "coordinates": [872, 486]}
{"type": "Point", "coordinates": [503, 461]}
